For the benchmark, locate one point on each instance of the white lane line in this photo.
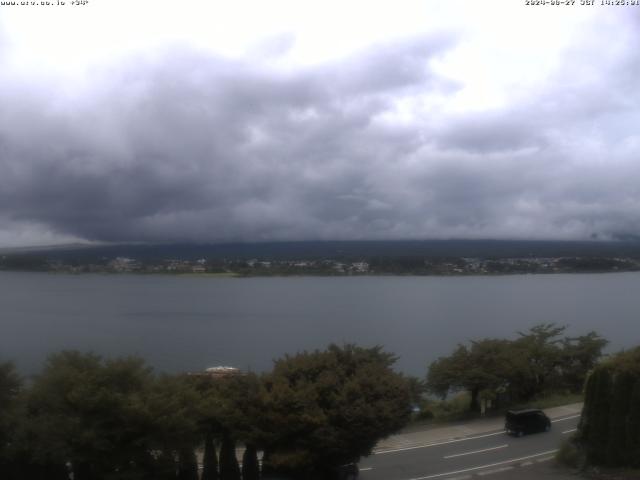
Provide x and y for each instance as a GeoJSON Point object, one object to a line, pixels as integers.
{"type": "Point", "coordinates": [366, 469]}
{"type": "Point", "coordinates": [477, 451]}
{"type": "Point", "coordinates": [569, 431]}
{"type": "Point", "coordinates": [545, 459]}
{"type": "Point", "coordinates": [495, 470]}
{"type": "Point", "coordinates": [426, 445]}
{"type": "Point", "coordinates": [548, 452]}
{"type": "Point", "coordinates": [565, 418]}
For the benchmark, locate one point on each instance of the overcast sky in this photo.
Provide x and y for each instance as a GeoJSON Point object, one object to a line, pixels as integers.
{"type": "Point", "coordinates": [165, 121]}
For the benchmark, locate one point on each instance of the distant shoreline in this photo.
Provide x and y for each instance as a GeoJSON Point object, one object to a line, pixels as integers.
{"type": "Point", "coordinates": [318, 275]}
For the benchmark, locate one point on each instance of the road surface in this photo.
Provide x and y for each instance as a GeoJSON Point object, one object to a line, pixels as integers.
{"type": "Point", "coordinates": [475, 456]}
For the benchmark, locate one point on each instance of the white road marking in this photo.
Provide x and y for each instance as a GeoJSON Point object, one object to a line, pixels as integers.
{"type": "Point", "coordinates": [526, 464]}
{"type": "Point", "coordinates": [495, 470]}
{"type": "Point", "coordinates": [365, 469]}
{"type": "Point", "coordinates": [426, 445]}
{"type": "Point", "coordinates": [565, 418]}
{"type": "Point", "coordinates": [545, 459]}
{"type": "Point", "coordinates": [486, 466]}
{"type": "Point", "coordinates": [569, 431]}
{"type": "Point", "coordinates": [477, 451]}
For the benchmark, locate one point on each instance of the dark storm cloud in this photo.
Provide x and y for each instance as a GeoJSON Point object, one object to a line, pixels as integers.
{"type": "Point", "coordinates": [198, 147]}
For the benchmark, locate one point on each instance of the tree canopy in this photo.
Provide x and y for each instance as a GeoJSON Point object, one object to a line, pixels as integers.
{"type": "Point", "coordinates": [536, 361]}
{"type": "Point", "coordinates": [114, 419]}
{"type": "Point", "coordinates": [327, 408]}
{"type": "Point", "coordinates": [609, 429]}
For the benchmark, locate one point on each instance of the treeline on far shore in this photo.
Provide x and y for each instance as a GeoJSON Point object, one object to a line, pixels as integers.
{"type": "Point", "coordinates": [329, 266]}
{"type": "Point", "coordinates": [311, 417]}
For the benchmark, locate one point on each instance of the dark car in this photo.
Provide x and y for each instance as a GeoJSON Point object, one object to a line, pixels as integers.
{"type": "Point", "coordinates": [519, 422]}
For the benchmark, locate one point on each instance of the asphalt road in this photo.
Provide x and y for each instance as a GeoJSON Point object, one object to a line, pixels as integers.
{"type": "Point", "coordinates": [482, 454]}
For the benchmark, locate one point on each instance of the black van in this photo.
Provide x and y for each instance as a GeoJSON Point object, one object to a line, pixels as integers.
{"type": "Point", "coordinates": [519, 422]}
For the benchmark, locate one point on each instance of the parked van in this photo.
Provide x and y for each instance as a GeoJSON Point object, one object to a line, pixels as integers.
{"type": "Point", "coordinates": [519, 422]}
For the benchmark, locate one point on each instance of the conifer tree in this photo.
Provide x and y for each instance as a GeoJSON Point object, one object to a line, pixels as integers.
{"type": "Point", "coordinates": [210, 460]}
{"type": "Point", "coordinates": [229, 468]}
{"type": "Point", "coordinates": [187, 464]}
{"type": "Point", "coordinates": [618, 417]}
{"type": "Point", "coordinates": [632, 443]}
{"type": "Point", "coordinates": [598, 434]}
{"type": "Point", "coordinates": [250, 467]}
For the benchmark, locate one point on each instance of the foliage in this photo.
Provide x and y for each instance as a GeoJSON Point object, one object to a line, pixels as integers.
{"type": "Point", "coordinates": [187, 464]}
{"type": "Point", "coordinates": [569, 454]}
{"type": "Point", "coordinates": [579, 355]}
{"type": "Point", "coordinates": [250, 465]}
{"type": "Point", "coordinates": [90, 412]}
{"type": "Point", "coordinates": [10, 385]}
{"type": "Point", "coordinates": [486, 365]}
{"type": "Point", "coordinates": [229, 468]}
{"type": "Point", "coordinates": [609, 429]}
{"type": "Point", "coordinates": [210, 459]}
{"type": "Point", "coordinates": [537, 362]}
{"type": "Point", "coordinates": [108, 418]}
{"type": "Point", "coordinates": [328, 408]}
{"type": "Point", "coordinates": [417, 389]}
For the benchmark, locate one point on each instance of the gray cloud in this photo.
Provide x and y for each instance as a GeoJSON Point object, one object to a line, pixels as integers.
{"type": "Point", "coordinates": [198, 147]}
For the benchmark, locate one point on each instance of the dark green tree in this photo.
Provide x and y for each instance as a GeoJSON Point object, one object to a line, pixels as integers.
{"type": "Point", "coordinates": [486, 366]}
{"type": "Point", "coordinates": [250, 466]}
{"type": "Point", "coordinates": [210, 459]}
{"type": "Point", "coordinates": [187, 464]}
{"type": "Point", "coordinates": [537, 362]}
{"type": "Point", "coordinates": [632, 434]}
{"type": "Point", "coordinates": [541, 347]}
{"type": "Point", "coordinates": [327, 408]}
{"type": "Point", "coordinates": [108, 418]}
{"type": "Point", "coordinates": [619, 417]}
{"type": "Point", "coordinates": [10, 384]}
{"type": "Point", "coordinates": [610, 424]}
{"type": "Point", "coordinates": [229, 468]}
{"type": "Point", "coordinates": [579, 356]}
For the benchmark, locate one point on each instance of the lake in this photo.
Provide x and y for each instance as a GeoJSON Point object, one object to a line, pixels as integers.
{"type": "Point", "coordinates": [186, 323]}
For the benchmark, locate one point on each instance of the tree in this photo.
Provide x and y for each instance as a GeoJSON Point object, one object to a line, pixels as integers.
{"type": "Point", "coordinates": [632, 434]}
{"type": "Point", "coordinates": [109, 418]}
{"type": "Point", "coordinates": [538, 361]}
{"type": "Point", "coordinates": [187, 464]}
{"type": "Point", "coordinates": [486, 366]}
{"type": "Point", "coordinates": [10, 385]}
{"type": "Point", "coordinates": [540, 346]}
{"type": "Point", "coordinates": [579, 356]}
{"type": "Point", "coordinates": [328, 408]}
{"type": "Point", "coordinates": [210, 459]}
{"type": "Point", "coordinates": [417, 389]}
{"type": "Point", "coordinates": [609, 429]}
{"type": "Point", "coordinates": [250, 466]}
{"type": "Point", "coordinates": [229, 468]}
{"type": "Point", "coordinates": [619, 416]}
{"type": "Point", "coordinates": [230, 408]}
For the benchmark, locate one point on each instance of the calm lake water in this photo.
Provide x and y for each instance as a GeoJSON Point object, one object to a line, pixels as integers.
{"type": "Point", "coordinates": [189, 323]}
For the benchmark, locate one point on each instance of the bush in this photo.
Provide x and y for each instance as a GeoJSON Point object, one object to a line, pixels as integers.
{"type": "Point", "coordinates": [609, 425]}
{"type": "Point", "coordinates": [569, 454]}
{"type": "Point", "coordinates": [424, 415]}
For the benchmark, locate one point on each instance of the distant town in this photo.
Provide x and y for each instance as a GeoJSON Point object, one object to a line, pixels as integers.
{"type": "Point", "coordinates": [325, 267]}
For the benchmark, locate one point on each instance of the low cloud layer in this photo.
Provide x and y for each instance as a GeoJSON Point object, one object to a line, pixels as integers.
{"type": "Point", "coordinates": [186, 145]}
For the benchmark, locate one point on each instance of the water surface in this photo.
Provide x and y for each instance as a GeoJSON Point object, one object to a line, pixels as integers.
{"type": "Point", "coordinates": [189, 323]}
